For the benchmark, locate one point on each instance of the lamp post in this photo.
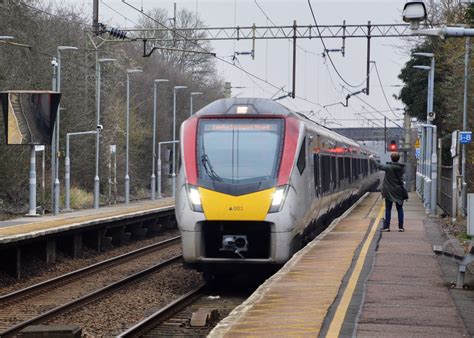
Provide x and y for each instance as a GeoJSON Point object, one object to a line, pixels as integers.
{"type": "Point", "coordinates": [99, 128]}
{"type": "Point", "coordinates": [191, 101]}
{"type": "Point", "coordinates": [153, 177]}
{"type": "Point", "coordinates": [6, 37]}
{"type": "Point", "coordinates": [127, 177]}
{"type": "Point", "coordinates": [431, 140]}
{"type": "Point", "coordinates": [414, 12]}
{"type": "Point", "coordinates": [57, 129]}
{"type": "Point", "coordinates": [173, 174]}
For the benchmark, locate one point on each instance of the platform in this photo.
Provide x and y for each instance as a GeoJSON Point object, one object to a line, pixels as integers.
{"type": "Point", "coordinates": [354, 280]}
{"type": "Point", "coordinates": [32, 227]}
{"type": "Point", "coordinates": [99, 229]}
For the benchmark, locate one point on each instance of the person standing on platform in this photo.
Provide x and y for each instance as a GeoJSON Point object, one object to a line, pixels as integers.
{"type": "Point", "coordinates": [393, 191]}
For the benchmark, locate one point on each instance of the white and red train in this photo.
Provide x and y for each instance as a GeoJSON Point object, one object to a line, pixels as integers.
{"type": "Point", "coordinates": [255, 179]}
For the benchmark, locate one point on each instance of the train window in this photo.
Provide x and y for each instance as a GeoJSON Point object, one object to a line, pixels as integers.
{"type": "Point", "coordinates": [316, 174]}
{"type": "Point", "coordinates": [334, 173]}
{"type": "Point", "coordinates": [354, 169]}
{"type": "Point", "coordinates": [347, 168]}
{"type": "Point", "coordinates": [301, 163]}
{"type": "Point", "coordinates": [340, 165]}
{"type": "Point", "coordinates": [325, 173]}
{"type": "Point", "coordinates": [232, 151]}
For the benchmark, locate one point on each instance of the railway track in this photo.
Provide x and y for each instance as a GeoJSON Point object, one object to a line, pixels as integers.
{"type": "Point", "coordinates": [174, 319]}
{"type": "Point", "coordinates": [40, 302]}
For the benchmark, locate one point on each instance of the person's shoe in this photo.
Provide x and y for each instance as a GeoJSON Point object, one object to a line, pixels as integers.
{"type": "Point", "coordinates": [401, 230]}
{"type": "Point", "coordinates": [385, 229]}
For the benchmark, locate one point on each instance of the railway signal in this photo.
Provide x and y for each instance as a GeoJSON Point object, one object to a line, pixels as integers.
{"type": "Point", "coordinates": [393, 146]}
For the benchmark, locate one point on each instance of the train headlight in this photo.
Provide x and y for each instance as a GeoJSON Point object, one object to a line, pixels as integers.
{"type": "Point", "coordinates": [279, 196]}
{"type": "Point", "coordinates": [194, 198]}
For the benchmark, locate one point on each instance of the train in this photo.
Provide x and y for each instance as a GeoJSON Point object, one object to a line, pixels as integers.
{"type": "Point", "coordinates": [256, 179]}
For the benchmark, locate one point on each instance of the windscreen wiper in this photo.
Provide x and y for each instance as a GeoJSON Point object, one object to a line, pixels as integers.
{"type": "Point", "coordinates": [209, 169]}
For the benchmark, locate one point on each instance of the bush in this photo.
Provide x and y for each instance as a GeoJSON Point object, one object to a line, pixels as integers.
{"type": "Point", "coordinates": [81, 199]}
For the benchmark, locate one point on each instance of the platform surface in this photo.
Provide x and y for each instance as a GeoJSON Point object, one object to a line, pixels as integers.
{"type": "Point", "coordinates": [31, 227]}
{"type": "Point", "coordinates": [339, 285]}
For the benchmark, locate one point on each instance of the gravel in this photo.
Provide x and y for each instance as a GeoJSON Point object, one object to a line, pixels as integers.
{"type": "Point", "coordinates": [35, 270]}
{"type": "Point", "coordinates": [122, 309]}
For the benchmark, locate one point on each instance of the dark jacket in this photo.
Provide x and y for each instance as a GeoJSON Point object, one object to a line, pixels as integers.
{"type": "Point", "coordinates": [392, 188]}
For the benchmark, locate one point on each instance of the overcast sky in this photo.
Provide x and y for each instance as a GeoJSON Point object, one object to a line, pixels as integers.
{"type": "Point", "coordinates": [316, 80]}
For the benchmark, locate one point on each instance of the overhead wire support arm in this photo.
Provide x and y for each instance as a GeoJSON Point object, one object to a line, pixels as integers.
{"type": "Point", "coordinates": [149, 53]}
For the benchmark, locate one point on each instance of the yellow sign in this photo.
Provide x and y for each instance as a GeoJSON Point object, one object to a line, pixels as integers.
{"type": "Point", "coordinates": [417, 143]}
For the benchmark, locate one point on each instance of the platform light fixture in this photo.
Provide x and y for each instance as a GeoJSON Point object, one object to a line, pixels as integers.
{"type": "Point", "coordinates": [191, 101]}
{"type": "Point", "coordinates": [55, 147]}
{"type": "Point", "coordinates": [97, 137]}
{"type": "Point", "coordinates": [155, 97]}
{"type": "Point", "coordinates": [173, 174]}
{"type": "Point", "coordinates": [127, 135]}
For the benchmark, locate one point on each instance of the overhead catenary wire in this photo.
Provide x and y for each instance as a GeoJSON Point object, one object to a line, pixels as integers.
{"type": "Point", "coordinates": [383, 90]}
{"type": "Point", "coordinates": [375, 109]}
{"type": "Point", "coordinates": [217, 57]}
{"type": "Point", "coordinates": [83, 23]}
{"type": "Point", "coordinates": [118, 13]}
{"type": "Point", "coordinates": [328, 54]}
{"type": "Point", "coordinates": [275, 25]}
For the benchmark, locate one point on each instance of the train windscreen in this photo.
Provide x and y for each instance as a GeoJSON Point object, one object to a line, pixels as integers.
{"type": "Point", "coordinates": [239, 151]}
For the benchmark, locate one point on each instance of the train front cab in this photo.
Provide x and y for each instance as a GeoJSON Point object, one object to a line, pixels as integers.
{"type": "Point", "coordinates": [235, 204]}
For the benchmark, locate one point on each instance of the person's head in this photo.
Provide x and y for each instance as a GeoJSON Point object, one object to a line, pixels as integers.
{"type": "Point", "coordinates": [395, 157]}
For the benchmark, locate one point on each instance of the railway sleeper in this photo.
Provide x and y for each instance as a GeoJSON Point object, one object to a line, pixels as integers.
{"type": "Point", "coordinates": [204, 316]}
{"type": "Point", "coordinates": [51, 331]}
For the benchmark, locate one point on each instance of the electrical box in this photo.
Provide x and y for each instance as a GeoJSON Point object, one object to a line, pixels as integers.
{"type": "Point", "coordinates": [470, 214]}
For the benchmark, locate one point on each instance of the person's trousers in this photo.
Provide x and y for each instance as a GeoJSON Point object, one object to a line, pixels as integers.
{"type": "Point", "coordinates": [388, 214]}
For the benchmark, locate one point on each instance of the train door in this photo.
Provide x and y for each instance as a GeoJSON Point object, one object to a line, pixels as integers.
{"type": "Point", "coordinates": [311, 162]}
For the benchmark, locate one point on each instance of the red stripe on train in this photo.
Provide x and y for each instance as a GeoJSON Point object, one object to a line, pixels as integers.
{"type": "Point", "coordinates": [189, 150]}
{"type": "Point", "coordinates": [292, 129]}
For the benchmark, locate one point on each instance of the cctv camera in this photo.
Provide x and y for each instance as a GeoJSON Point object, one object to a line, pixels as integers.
{"type": "Point", "coordinates": [100, 127]}
{"type": "Point", "coordinates": [54, 63]}
{"type": "Point", "coordinates": [414, 12]}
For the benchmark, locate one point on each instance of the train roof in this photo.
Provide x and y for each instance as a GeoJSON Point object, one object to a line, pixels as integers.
{"type": "Point", "coordinates": [255, 106]}
{"type": "Point", "coordinates": [264, 106]}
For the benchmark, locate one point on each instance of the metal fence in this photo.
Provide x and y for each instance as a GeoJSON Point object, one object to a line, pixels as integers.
{"type": "Point", "coordinates": [445, 192]}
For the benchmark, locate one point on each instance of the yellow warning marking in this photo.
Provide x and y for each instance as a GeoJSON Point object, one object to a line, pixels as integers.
{"type": "Point", "coordinates": [340, 314]}
{"type": "Point", "coordinates": [223, 207]}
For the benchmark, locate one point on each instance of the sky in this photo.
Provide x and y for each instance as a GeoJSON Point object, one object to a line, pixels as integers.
{"type": "Point", "coordinates": [317, 83]}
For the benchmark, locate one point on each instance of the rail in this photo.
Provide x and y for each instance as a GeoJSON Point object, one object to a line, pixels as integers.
{"type": "Point", "coordinates": [88, 297]}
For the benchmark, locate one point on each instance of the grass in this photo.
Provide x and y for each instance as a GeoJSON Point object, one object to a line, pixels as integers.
{"type": "Point", "coordinates": [81, 199]}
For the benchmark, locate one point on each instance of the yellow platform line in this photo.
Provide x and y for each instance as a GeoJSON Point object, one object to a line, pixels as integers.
{"type": "Point", "coordinates": [340, 314]}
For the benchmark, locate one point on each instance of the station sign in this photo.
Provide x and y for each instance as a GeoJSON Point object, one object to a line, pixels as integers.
{"type": "Point", "coordinates": [465, 137]}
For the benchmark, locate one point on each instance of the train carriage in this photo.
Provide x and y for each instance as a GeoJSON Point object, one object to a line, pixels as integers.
{"type": "Point", "coordinates": [255, 179]}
